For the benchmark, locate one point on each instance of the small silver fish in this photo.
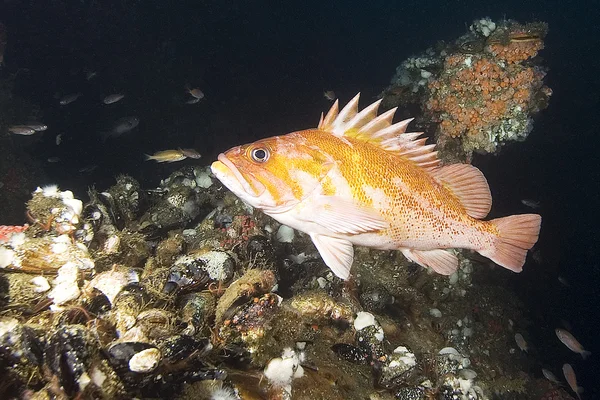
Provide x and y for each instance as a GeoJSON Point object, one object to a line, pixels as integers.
{"type": "Point", "coordinates": [190, 153]}
{"type": "Point", "coordinates": [195, 92]}
{"type": "Point", "coordinates": [550, 376]}
{"type": "Point", "coordinates": [531, 203]}
{"type": "Point", "coordinates": [53, 159]}
{"type": "Point", "coordinates": [90, 75]}
{"type": "Point", "coordinates": [68, 99]}
{"type": "Point", "coordinates": [88, 169]}
{"type": "Point", "coordinates": [563, 281]}
{"type": "Point", "coordinates": [113, 98]}
{"type": "Point", "coordinates": [38, 127]}
{"type": "Point", "coordinates": [121, 126]}
{"type": "Point", "coordinates": [521, 343]}
{"type": "Point", "coordinates": [573, 344]}
{"type": "Point", "coordinates": [58, 139]}
{"type": "Point", "coordinates": [329, 95]}
{"type": "Point", "coordinates": [569, 374]}
{"type": "Point", "coordinates": [21, 130]}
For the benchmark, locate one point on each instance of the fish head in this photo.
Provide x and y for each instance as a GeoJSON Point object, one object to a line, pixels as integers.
{"type": "Point", "coordinates": [274, 174]}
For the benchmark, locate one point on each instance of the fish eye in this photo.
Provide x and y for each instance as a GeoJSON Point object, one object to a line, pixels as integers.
{"type": "Point", "coordinates": [259, 154]}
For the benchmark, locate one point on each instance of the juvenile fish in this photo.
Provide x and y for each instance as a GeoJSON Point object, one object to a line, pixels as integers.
{"type": "Point", "coordinates": [358, 179]}
{"type": "Point", "coordinates": [196, 93]}
{"type": "Point", "coordinates": [190, 153]}
{"type": "Point", "coordinates": [569, 340]}
{"type": "Point", "coordinates": [38, 127]}
{"type": "Point", "coordinates": [521, 343]}
{"type": "Point", "coordinates": [531, 203]}
{"type": "Point", "coordinates": [572, 379]}
{"type": "Point", "coordinates": [68, 99]}
{"type": "Point", "coordinates": [121, 126]}
{"type": "Point", "coordinates": [113, 98]}
{"type": "Point", "coordinates": [21, 130]}
{"type": "Point", "coordinates": [167, 156]}
{"type": "Point", "coordinates": [329, 95]}
{"type": "Point", "coordinates": [550, 376]}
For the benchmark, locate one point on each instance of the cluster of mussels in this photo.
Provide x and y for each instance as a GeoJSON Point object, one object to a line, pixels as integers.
{"type": "Point", "coordinates": [183, 291]}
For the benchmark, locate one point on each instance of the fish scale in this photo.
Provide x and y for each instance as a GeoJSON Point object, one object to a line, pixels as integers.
{"type": "Point", "coordinates": [359, 179]}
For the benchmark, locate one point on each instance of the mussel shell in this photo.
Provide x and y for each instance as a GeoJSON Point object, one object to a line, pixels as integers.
{"type": "Point", "coordinates": [68, 354]}
{"type": "Point", "coordinates": [119, 354]}
{"type": "Point", "coordinates": [180, 347]}
{"type": "Point", "coordinates": [352, 353]}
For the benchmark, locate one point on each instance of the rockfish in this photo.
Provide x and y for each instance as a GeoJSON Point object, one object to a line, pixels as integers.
{"type": "Point", "coordinates": [358, 179]}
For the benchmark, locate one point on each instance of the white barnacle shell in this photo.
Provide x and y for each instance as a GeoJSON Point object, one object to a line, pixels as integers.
{"type": "Point", "coordinates": [203, 179]}
{"type": "Point", "coordinates": [110, 283]}
{"type": "Point", "coordinates": [7, 257]}
{"type": "Point", "coordinates": [285, 234]}
{"type": "Point", "coordinates": [41, 284]}
{"type": "Point", "coordinates": [145, 361]}
{"type": "Point", "coordinates": [364, 319]}
{"type": "Point", "coordinates": [112, 244]}
{"type": "Point", "coordinates": [219, 265]}
{"type": "Point", "coordinates": [74, 204]}
{"type": "Point", "coordinates": [65, 285]}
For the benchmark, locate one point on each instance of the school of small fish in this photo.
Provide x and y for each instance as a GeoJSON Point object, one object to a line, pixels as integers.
{"type": "Point", "coordinates": [119, 127]}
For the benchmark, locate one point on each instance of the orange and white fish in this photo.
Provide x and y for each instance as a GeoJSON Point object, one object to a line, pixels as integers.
{"type": "Point", "coordinates": [573, 344]}
{"type": "Point", "coordinates": [569, 374]}
{"type": "Point", "coordinates": [358, 179]}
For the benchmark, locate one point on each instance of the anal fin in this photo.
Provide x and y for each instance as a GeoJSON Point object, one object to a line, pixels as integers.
{"type": "Point", "coordinates": [338, 254]}
{"type": "Point", "coordinates": [441, 261]}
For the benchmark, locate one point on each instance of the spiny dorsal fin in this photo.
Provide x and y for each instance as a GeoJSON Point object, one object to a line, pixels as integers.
{"type": "Point", "coordinates": [379, 130]}
{"type": "Point", "coordinates": [469, 185]}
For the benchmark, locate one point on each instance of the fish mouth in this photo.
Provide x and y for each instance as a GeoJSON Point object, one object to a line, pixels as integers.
{"type": "Point", "coordinates": [230, 175]}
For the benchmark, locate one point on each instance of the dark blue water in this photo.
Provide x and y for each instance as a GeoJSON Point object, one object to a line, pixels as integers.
{"type": "Point", "coordinates": [263, 67]}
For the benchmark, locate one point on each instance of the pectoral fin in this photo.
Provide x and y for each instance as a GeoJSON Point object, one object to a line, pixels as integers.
{"type": "Point", "coordinates": [343, 216]}
{"type": "Point", "coordinates": [338, 254]}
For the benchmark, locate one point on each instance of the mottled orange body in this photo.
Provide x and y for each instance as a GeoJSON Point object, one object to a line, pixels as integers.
{"type": "Point", "coordinates": [359, 179]}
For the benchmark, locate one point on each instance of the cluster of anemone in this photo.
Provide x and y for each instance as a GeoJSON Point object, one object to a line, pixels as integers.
{"type": "Point", "coordinates": [517, 49]}
{"type": "Point", "coordinates": [474, 93]}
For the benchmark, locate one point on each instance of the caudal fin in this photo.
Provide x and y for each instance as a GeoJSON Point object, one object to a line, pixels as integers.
{"type": "Point", "coordinates": [516, 235]}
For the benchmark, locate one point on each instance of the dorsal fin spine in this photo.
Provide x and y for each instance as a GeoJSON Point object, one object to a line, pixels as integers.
{"type": "Point", "coordinates": [379, 130]}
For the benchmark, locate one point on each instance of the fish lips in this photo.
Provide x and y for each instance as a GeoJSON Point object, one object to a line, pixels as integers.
{"type": "Point", "coordinates": [229, 174]}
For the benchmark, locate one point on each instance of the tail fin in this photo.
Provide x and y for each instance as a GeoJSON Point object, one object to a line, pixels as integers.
{"type": "Point", "coordinates": [516, 235]}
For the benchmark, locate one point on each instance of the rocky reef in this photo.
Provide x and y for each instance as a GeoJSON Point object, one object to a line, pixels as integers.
{"type": "Point", "coordinates": [183, 291]}
{"type": "Point", "coordinates": [478, 92]}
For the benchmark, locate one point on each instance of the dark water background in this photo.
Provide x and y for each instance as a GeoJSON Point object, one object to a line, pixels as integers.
{"type": "Point", "coordinates": [263, 66]}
